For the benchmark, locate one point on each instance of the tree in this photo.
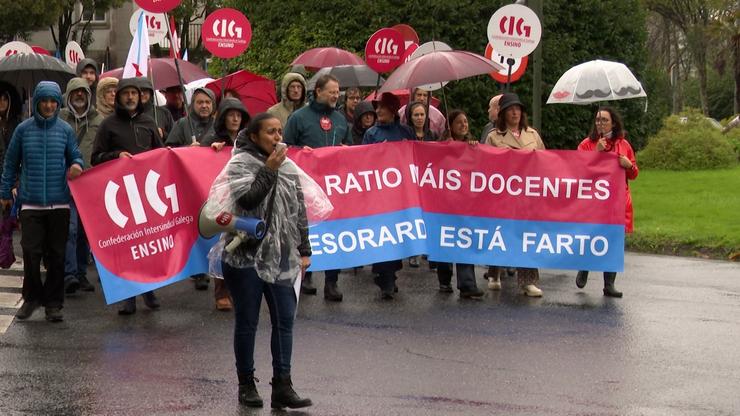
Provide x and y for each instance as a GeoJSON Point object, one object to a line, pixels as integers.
{"type": "Point", "coordinates": [22, 16]}
{"type": "Point", "coordinates": [188, 12]}
{"type": "Point", "coordinates": [614, 30]}
{"type": "Point", "coordinates": [71, 25]}
{"type": "Point", "coordinates": [698, 21]}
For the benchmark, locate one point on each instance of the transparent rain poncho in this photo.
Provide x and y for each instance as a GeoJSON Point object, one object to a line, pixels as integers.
{"type": "Point", "coordinates": [299, 200]}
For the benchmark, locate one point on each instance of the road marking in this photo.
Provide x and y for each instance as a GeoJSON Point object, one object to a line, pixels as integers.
{"type": "Point", "coordinates": [10, 300]}
{"type": "Point", "coordinates": [13, 282]}
{"type": "Point", "coordinates": [5, 321]}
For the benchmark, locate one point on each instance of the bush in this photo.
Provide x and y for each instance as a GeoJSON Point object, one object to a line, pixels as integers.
{"type": "Point", "coordinates": [733, 135]}
{"type": "Point", "coordinates": [688, 141]}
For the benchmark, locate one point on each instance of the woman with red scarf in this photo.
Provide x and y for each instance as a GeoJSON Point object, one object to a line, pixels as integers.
{"type": "Point", "coordinates": [607, 135]}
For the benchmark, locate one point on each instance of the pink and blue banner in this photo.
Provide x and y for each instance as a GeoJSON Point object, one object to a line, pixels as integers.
{"type": "Point", "coordinates": [452, 201]}
{"type": "Point", "coordinates": [466, 203]}
{"type": "Point", "coordinates": [141, 214]}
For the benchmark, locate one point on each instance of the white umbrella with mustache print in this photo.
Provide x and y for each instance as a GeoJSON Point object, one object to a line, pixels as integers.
{"type": "Point", "coordinates": [596, 81]}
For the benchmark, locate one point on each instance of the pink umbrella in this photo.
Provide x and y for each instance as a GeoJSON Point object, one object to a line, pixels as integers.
{"type": "Point", "coordinates": [256, 92]}
{"type": "Point", "coordinates": [318, 58]}
{"type": "Point", "coordinates": [164, 72]}
{"type": "Point", "coordinates": [438, 67]}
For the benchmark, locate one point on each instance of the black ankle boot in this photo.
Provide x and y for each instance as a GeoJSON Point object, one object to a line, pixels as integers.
{"type": "Point", "coordinates": [332, 293]}
{"type": "Point", "coordinates": [609, 290]}
{"type": "Point", "coordinates": [307, 287]}
{"type": "Point", "coordinates": [284, 396]}
{"type": "Point", "coordinates": [248, 395]}
{"type": "Point", "coordinates": [581, 279]}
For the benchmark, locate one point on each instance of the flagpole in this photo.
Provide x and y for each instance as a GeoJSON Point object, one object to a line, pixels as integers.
{"type": "Point", "coordinates": [154, 91]}
{"type": "Point", "coordinates": [182, 85]}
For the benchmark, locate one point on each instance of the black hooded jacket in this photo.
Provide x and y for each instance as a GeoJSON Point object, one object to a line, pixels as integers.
{"type": "Point", "coordinates": [10, 118]}
{"type": "Point", "coordinates": [161, 115]}
{"type": "Point", "coordinates": [219, 133]}
{"type": "Point", "coordinates": [94, 87]}
{"type": "Point", "coordinates": [122, 132]}
{"type": "Point", "coordinates": [358, 132]}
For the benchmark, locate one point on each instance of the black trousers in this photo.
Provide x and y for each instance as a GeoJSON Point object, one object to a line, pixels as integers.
{"type": "Point", "coordinates": [44, 233]}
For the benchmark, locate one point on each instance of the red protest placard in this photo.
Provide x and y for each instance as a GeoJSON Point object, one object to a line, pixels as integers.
{"type": "Point", "coordinates": [158, 6]}
{"type": "Point", "coordinates": [226, 33]}
{"type": "Point", "coordinates": [384, 50]}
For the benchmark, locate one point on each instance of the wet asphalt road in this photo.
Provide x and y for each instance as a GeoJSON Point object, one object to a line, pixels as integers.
{"type": "Point", "coordinates": [670, 347]}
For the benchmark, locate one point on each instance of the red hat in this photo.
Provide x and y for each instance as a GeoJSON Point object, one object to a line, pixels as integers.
{"type": "Point", "coordinates": [388, 100]}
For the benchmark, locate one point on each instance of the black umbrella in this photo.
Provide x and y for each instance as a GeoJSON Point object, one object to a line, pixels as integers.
{"type": "Point", "coordinates": [25, 71]}
{"type": "Point", "coordinates": [349, 76]}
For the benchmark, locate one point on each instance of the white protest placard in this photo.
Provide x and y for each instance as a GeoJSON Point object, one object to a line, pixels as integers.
{"type": "Point", "coordinates": [514, 31]}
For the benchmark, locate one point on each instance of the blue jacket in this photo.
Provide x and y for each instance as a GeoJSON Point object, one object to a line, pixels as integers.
{"type": "Point", "coordinates": [42, 149]}
{"type": "Point", "coordinates": [389, 132]}
{"type": "Point", "coordinates": [317, 125]}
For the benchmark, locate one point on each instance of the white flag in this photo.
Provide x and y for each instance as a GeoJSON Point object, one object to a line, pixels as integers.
{"type": "Point", "coordinates": [138, 53]}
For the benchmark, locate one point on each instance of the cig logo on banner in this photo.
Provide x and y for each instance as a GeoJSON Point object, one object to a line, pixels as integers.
{"type": "Point", "coordinates": [135, 203]}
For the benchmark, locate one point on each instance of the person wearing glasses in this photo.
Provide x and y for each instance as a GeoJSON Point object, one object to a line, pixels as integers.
{"type": "Point", "coordinates": [352, 97]}
{"type": "Point", "coordinates": [608, 135]}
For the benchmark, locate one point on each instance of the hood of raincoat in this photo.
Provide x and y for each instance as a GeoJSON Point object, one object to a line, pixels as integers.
{"type": "Point", "coordinates": [120, 109]}
{"type": "Point", "coordinates": [46, 89]}
{"type": "Point", "coordinates": [103, 85]}
{"type": "Point", "coordinates": [227, 104]}
{"type": "Point", "coordinates": [76, 84]}
{"type": "Point", "coordinates": [88, 62]}
{"type": "Point", "coordinates": [287, 79]}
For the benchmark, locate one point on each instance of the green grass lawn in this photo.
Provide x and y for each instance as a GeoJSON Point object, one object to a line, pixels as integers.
{"type": "Point", "coordinates": [687, 213]}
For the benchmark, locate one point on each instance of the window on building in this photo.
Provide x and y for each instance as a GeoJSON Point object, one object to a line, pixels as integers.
{"type": "Point", "coordinates": [95, 16]}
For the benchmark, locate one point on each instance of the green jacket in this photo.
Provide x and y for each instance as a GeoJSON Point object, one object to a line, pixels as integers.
{"type": "Point", "coordinates": [317, 125]}
{"type": "Point", "coordinates": [285, 107]}
{"type": "Point", "coordinates": [86, 124]}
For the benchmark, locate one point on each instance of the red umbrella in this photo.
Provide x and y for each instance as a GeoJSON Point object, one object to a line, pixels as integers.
{"type": "Point", "coordinates": [256, 92]}
{"type": "Point", "coordinates": [40, 50]}
{"type": "Point", "coordinates": [403, 96]}
{"type": "Point", "coordinates": [318, 58]}
{"type": "Point", "coordinates": [437, 67]}
{"type": "Point", "coordinates": [164, 73]}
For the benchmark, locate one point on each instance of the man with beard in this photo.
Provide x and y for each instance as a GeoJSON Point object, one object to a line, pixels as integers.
{"type": "Point", "coordinates": [319, 124]}
{"type": "Point", "coordinates": [198, 125]}
{"type": "Point", "coordinates": [85, 120]}
{"type": "Point", "coordinates": [292, 97]}
{"type": "Point", "coordinates": [128, 131]}
{"type": "Point", "coordinates": [175, 102]}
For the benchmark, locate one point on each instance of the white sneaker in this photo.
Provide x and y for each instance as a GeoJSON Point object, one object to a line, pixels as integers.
{"type": "Point", "coordinates": [494, 283]}
{"type": "Point", "coordinates": [532, 291]}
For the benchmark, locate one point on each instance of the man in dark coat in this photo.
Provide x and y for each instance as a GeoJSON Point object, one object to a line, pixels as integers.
{"type": "Point", "coordinates": [89, 70]}
{"type": "Point", "coordinates": [200, 122]}
{"type": "Point", "coordinates": [126, 132]}
{"type": "Point", "coordinates": [319, 124]}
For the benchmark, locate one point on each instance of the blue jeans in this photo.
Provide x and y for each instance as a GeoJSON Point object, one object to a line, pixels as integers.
{"type": "Point", "coordinates": [246, 290]}
{"type": "Point", "coordinates": [77, 250]}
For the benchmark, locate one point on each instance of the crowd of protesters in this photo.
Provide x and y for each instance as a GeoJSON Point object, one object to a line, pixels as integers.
{"type": "Point", "coordinates": [98, 120]}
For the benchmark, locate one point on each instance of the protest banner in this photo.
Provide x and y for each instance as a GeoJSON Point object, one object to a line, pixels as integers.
{"type": "Point", "coordinates": [452, 201]}
{"type": "Point", "coordinates": [140, 216]}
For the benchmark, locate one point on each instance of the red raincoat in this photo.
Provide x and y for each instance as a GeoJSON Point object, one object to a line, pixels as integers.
{"type": "Point", "coordinates": [621, 146]}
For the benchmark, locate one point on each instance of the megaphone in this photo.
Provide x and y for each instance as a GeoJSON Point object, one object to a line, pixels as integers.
{"type": "Point", "coordinates": [228, 222]}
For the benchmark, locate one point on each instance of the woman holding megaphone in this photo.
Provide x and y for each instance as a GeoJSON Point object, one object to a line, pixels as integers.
{"type": "Point", "coordinates": [260, 183]}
